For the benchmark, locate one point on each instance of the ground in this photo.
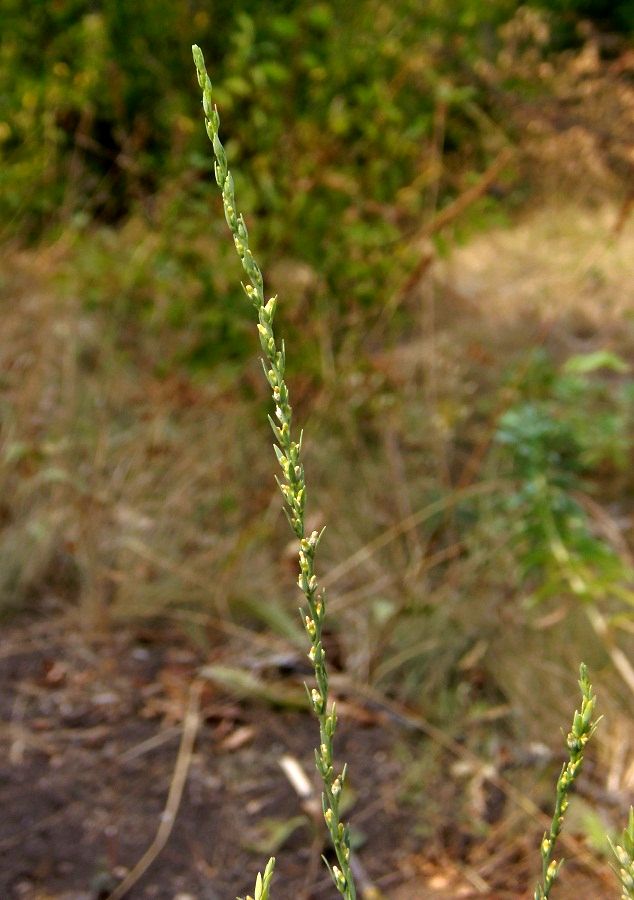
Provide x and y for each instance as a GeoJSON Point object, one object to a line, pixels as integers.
{"type": "Point", "coordinates": [89, 745]}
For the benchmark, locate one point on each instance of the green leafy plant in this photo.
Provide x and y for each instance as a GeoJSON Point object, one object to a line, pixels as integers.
{"type": "Point", "coordinates": [573, 423]}
{"type": "Point", "coordinates": [572, 426]}
{"type": "Point", "coordinates": [293, 488]}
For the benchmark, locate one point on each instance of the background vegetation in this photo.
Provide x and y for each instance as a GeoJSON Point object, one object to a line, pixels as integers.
{"type": "Point", "coordinates": [433, 189]}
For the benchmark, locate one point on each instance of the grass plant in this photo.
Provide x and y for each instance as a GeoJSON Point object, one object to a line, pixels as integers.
{"type": "Point", "coordinates": [583, 727]}
{"type": "Point", "coordinates": [263, 882]}
{"type": "Point", "coordinates": [624, 852]}
{"type": "Point", "coordinates": [293, 488]}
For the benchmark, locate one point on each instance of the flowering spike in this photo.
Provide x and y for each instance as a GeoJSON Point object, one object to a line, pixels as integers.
{"type": "Point", "coordinates": [583, 727]}
{"type": "Point", "coordinates": [293, 488]}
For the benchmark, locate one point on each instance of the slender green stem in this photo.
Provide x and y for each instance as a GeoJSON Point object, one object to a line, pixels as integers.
{"type": "Point", "coordinates": [583, 727]}
{"type": "Point", "coordinates": [624, 852]}
{"type": "Point", "coordinates": [293, 488]}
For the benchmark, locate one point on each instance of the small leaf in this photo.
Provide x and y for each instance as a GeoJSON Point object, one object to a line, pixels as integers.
{"type": "Point", "coordinates": [584, 363]}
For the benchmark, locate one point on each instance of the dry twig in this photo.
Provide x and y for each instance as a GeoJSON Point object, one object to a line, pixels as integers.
{"type": "Point", "coordinates": [191, 724]}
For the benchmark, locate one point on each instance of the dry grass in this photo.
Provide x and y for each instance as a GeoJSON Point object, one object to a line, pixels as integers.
{"type": "Point", "coordinates": [118, 478]}
{"type": "Point", "coordinates": [563, 264]}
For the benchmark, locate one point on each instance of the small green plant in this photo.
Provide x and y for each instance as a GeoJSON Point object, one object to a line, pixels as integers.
{"type": "Point", "coordinates": [624, 852]}
{"type": "Point", "coordinates": [575, 424]}
{"type": "Point", "coordinates": [293, 488]}
{"type": "Point", "coordinates": [583, 727]}
{"type": "Point", "coordinates": [262, 884]}
{"type": "Point", "coordinates": [571, 423]}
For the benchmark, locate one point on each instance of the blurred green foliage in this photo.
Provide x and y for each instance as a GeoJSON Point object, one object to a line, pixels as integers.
{"type": "Point", "coordinates": [335, 115]}
{"type": "Point", "coordinates": [97, 106]}
{"type": "Point", "coordinates": [572, 429]}
{"type": "Point", "coordinates": [349, 124]}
